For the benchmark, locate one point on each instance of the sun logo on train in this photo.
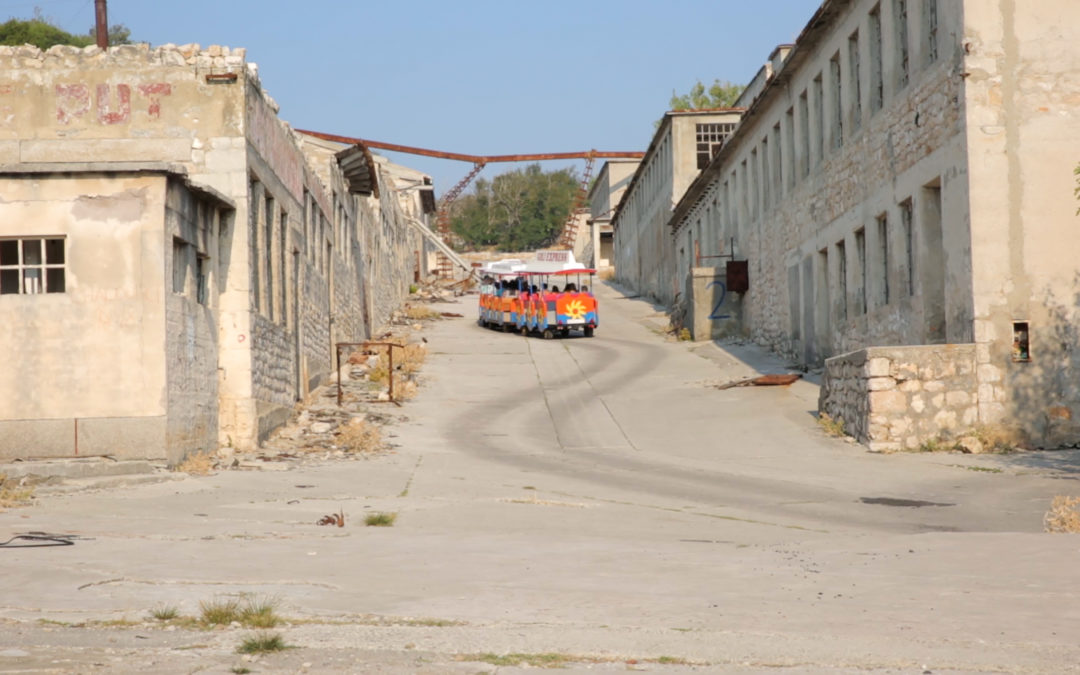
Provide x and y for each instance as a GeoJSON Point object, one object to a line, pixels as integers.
{"type": "Point", "coordinates": [575, 309]}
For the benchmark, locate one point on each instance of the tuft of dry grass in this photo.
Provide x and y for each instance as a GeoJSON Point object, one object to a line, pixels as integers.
{"type": "Point", "coordinates": [262, 643]}
{"type": "Point", "coordinates": [251, 611]}
{"type": "Point", "coordinates": [833, 427]}
{"type": "Point", "coordinates": [417, 313]}
{"type": "Point", "coordinates": [219, 612]}
{"type": "Point", "coordinates": [360, 436]}
{"type": "Point", "coordinates": [196, 464]}
{"type": "Point", "coordinates": [12, 494]}
{"type": "Point", "coordinates": [606, 274]}
{"type": "Point", "coordinates": [998, 438]}
{"type": "Point", "coordinates": [407, 362]}
{"type": "Point", "coordinates": [1063, 516]}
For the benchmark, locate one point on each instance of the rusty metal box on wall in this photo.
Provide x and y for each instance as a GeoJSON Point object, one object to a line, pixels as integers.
{"type": "Point", "coordinates": [738, 276]}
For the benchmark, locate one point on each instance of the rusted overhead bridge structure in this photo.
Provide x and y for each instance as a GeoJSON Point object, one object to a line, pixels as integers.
{"type": "Point", "coordinates": [569, 230]}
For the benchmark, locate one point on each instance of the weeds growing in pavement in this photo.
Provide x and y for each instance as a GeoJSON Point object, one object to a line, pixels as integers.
{"type": "Point", "coordinates": [262, 643]}
{"type": "Point", "coordinates": [12, 494]}
{"type": "Point", "coordinates": [380, 519]}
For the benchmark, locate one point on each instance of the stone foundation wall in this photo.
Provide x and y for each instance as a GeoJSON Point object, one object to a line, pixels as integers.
{"type": "Point", "coordinates": [895, 398]}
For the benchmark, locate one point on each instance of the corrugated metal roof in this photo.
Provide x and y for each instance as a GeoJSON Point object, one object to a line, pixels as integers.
{"type": "Point", "coordinates": [358, 166]}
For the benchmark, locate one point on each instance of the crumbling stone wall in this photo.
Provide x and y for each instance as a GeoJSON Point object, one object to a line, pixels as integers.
{"type": "Point", "coordinates": [894, 398]}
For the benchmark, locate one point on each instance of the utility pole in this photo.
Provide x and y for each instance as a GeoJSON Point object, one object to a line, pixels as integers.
{"type": "Point", "coordinates": [102, 24]}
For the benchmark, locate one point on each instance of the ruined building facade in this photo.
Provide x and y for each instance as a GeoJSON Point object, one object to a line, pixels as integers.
{"type": "Point", "coordinates": [175, 262]}
{"type": "Point", "coordinates": [646, 257]}
{"type": "Point", "coordinates": [901, 190]}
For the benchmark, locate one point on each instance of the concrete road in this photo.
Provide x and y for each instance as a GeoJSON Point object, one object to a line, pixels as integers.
{"type": "Point", "coordinates": [590, 498]}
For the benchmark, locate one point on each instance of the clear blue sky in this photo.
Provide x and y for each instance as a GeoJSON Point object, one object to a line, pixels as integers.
{"type": "Point", "coordinates": [472, 76]}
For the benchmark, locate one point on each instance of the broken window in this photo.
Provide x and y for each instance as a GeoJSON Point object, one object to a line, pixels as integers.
{"type": "Point", "coordinates": [789, 146]}
{"type": "Point", "coordinates": [909, 244]}
{"type": "Point", "coordinates": [841, 279]}
{"type": "Point", "coordinates": [877, 83]}
{"type": "Point", "coordinates": [930, 30]}
{"type": "Point", "coordinates": [32, 265]}
{"type": "Point", "coordinates": [710, 138]}
{"type": "Point", "coordinates": [819, 120]}
{"type": "Point", "coordinates": [837, 101]}
{"type": "Point", "coordinates": [884, 258]}
{"type": "Point", "coordinates": [180, 253]}
{"type": "Point", "coordinates": [202, 268]}
{"type": "Point", "coordinates": [804, 131]}
{"type": "Point", "coordinates": [855, 85]}
{"type": "Point", "coordinates": [860, 254]}
{"type": "Point", "coordinates": [901, 19]}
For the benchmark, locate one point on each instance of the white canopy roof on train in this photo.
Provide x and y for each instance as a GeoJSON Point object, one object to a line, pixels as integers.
{"type": "Point", "coordinates": [545, 262]}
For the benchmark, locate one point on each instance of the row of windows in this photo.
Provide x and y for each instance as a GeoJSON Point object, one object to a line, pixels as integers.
{"type": "Point", "coordinates": [797, 142]}
{"type": "Point", "coordinates": [191, 260]}
{"type": "Point", "coordinates": [884, 259]}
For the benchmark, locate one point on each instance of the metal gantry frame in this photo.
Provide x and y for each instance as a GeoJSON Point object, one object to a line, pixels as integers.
{"type": "Point", "coordinates": [569, 231]}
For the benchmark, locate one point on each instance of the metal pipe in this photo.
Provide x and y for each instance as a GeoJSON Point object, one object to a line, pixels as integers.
{"type": "Point", "coordinates": [101, 24]}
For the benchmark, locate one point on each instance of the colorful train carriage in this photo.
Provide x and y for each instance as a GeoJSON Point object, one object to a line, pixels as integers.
{"type": "Point", "coordinates": [548, 296]}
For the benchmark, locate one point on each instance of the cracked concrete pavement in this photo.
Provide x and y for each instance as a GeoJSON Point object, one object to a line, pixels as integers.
{"type": "Point", "coordinates": [588, 497]}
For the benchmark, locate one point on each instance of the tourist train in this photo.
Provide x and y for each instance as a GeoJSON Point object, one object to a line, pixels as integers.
{"type": "Point", "coordinates": [547, 296]}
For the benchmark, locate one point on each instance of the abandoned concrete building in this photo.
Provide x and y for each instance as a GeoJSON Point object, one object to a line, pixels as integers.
{"type": "Point", "coordinates": [604, 196]}
{"type": "Point", "coordinates": [680, 149]}
{"type": "Point", "coordinates": [175, 262]}
{"type": "Point", "coordinates": [901, 189]}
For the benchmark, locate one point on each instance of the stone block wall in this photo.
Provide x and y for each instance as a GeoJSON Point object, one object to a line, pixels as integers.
{"type": "Point", "coordinates": [896, 398]}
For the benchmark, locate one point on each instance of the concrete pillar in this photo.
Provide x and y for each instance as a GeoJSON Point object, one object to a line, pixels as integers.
{"type": "Point", "coordinates": [712, 312]}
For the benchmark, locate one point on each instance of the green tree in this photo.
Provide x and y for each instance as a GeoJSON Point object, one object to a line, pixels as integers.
{"type": "Point", "coordinates": [719, 95]}
{"type": "Point", "coordinates": [40, 33]}
{"type": "Point", "coordinates": [119, 34]}
{"type": "Point", "coordinates": [519, 210]}
{"type": "Point", "coordinates": [44, 33]}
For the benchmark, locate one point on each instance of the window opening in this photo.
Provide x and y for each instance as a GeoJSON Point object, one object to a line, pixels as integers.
{"type": "Point", "coordinates": [819, 119]}
{"type": "Point", "coordinates": [179, 265]}
{"type": "Point", "coordinates": [860, 254]}
{"type": "Point", "coordinates": [877, 84]}
{"type": "Point", "coordinates": [930, 20]}
{"type": "Point", "coordinates": [804, 129]}
{"type": "Point", "coordinates": [1021, 345]}
{"type": "Point", "coordinates": [909, 244]}
{"type": "Point", "coordinates": [710, 138]}
{"type": "Point", "coordinates": [886, 263]}
{"type": "Point", "coordinates": [32, 265]}
{"type": "Point", "coordinates": [902, 50]}
{"type": "Point", "coordinates": [855, 85]}
{"type": "Point", "coordinates": [837, 101]}
{"type": "Point", "coordinates": [841, 268]}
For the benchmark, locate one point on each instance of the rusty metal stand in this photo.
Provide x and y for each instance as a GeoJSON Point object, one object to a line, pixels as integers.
{"type": "Point", "coordinates": [365, 345]}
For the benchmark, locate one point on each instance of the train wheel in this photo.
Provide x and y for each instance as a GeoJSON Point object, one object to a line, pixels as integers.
{"type": "Point", "coordinates": [548, 334]}
{"type": "Point", "coordinates": [588, 331]}
{"type": "Point", "coordinates": [524, 331]}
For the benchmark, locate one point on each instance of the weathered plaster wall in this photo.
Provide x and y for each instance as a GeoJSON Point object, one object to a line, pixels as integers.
{"type": "Point", "coordinates": [1022, 98]}
{"type": "Point", "coordinates": [94, 352]}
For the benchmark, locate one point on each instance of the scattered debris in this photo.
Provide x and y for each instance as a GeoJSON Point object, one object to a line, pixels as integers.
{"type": "Point", "coordinates": [773, 380]}
{"type": "Point", "coordinates": [333, 519]}
{"type": "Point", "coordinates": [40, 539]}
{"type": "Point", "coordinates": [451, 315]}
